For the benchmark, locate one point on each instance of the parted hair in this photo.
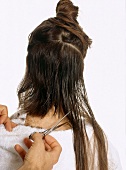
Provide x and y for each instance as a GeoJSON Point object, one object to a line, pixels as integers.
{"type": "Point", "coordinates": [54, 77]}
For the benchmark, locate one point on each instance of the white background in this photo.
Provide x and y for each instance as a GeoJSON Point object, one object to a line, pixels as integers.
{"type": "Point", "coordinates": [103, 21]}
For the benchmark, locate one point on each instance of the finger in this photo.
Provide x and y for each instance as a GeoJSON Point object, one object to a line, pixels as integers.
{"type": "Point", "coordinates": [38, 141]}
{"type": "Point", "coordinates": [55, 146]}
{"type": "Point", "coordinates": [28, 142]}
{"type": "Point", "coordinates": [38, 147]}
{"type": "Point", "coordinates": [7, 125]}
{"type": "Point", "coordinates": [13, 125]}
{"type": "Point", "coordinates": [3, 118]}
{"type": "Point", "coordinates": [47, 147]}
{"type": "Point", "coordinates": [20, 151]}
{"type": "Point", "coordinates": [52, 142]}
{"type": "Point", "coordinates": [36, 137]}
{"type": "Point", "coordinates": [3, 113]}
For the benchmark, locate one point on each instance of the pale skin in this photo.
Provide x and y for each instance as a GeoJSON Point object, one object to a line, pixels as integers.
{"type": "Point", "coordinates": [4, 119]}
{"type": "Point", "coordinates": [48, 121]}
{"type": "Point", "coordinates": [46, 152]}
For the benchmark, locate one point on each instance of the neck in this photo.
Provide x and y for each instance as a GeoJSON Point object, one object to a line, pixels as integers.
{"type": "Point", "coordinates": [49, 120]}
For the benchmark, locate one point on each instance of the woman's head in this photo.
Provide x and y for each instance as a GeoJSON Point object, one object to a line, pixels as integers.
{"type": "Point", "coordinates": [54, 77]}
{"type": "Point", "coordinates": [54, 61]}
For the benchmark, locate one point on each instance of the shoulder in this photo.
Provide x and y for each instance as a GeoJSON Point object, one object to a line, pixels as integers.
{"type": "Point", "coordinates": [113, 157]}
{"type": "Point", "coordinates": [112, 154]}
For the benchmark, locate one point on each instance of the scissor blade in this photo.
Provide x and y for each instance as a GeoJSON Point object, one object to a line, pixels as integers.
{"type": "Point", "coordinates": [53, 128]}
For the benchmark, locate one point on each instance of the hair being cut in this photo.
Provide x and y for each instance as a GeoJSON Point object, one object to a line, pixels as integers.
{"type": "Point", "coordinates": [54, 77]}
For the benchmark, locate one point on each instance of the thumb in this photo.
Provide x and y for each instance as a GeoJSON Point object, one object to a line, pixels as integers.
{"type": "Point", "coordinates": [38, 140]}
{"type": "Point", "coordinates": [36, 137]}
{"type": "Point", "coordinates": [37, 148]}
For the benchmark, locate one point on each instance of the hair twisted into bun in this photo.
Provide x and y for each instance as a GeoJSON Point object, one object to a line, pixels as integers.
{"type": "Point", "coordinates": [67, 9]}
{"type": "Point", "coordinates": [67, 27]}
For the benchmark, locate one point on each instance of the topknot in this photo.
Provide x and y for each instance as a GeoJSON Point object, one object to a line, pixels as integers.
{"type": "Point", "coordinates": [67, 9]}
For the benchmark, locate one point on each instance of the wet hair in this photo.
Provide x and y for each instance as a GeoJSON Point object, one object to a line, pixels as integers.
{"type": "Point", "coordinates": [54, 77]}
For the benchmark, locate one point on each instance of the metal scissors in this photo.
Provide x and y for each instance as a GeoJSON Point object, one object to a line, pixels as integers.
{"type": "Point", "coordinates": [48, 131]}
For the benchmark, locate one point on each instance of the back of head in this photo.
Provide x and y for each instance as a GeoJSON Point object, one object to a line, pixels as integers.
{"type": "Point", "coordinates": [54, 76]}
{"type": "Point", "coordinates": [54, 62]}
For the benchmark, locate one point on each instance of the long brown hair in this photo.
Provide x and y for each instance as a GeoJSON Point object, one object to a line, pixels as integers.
{"type": "Point", "coordinates": [54, 77]}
